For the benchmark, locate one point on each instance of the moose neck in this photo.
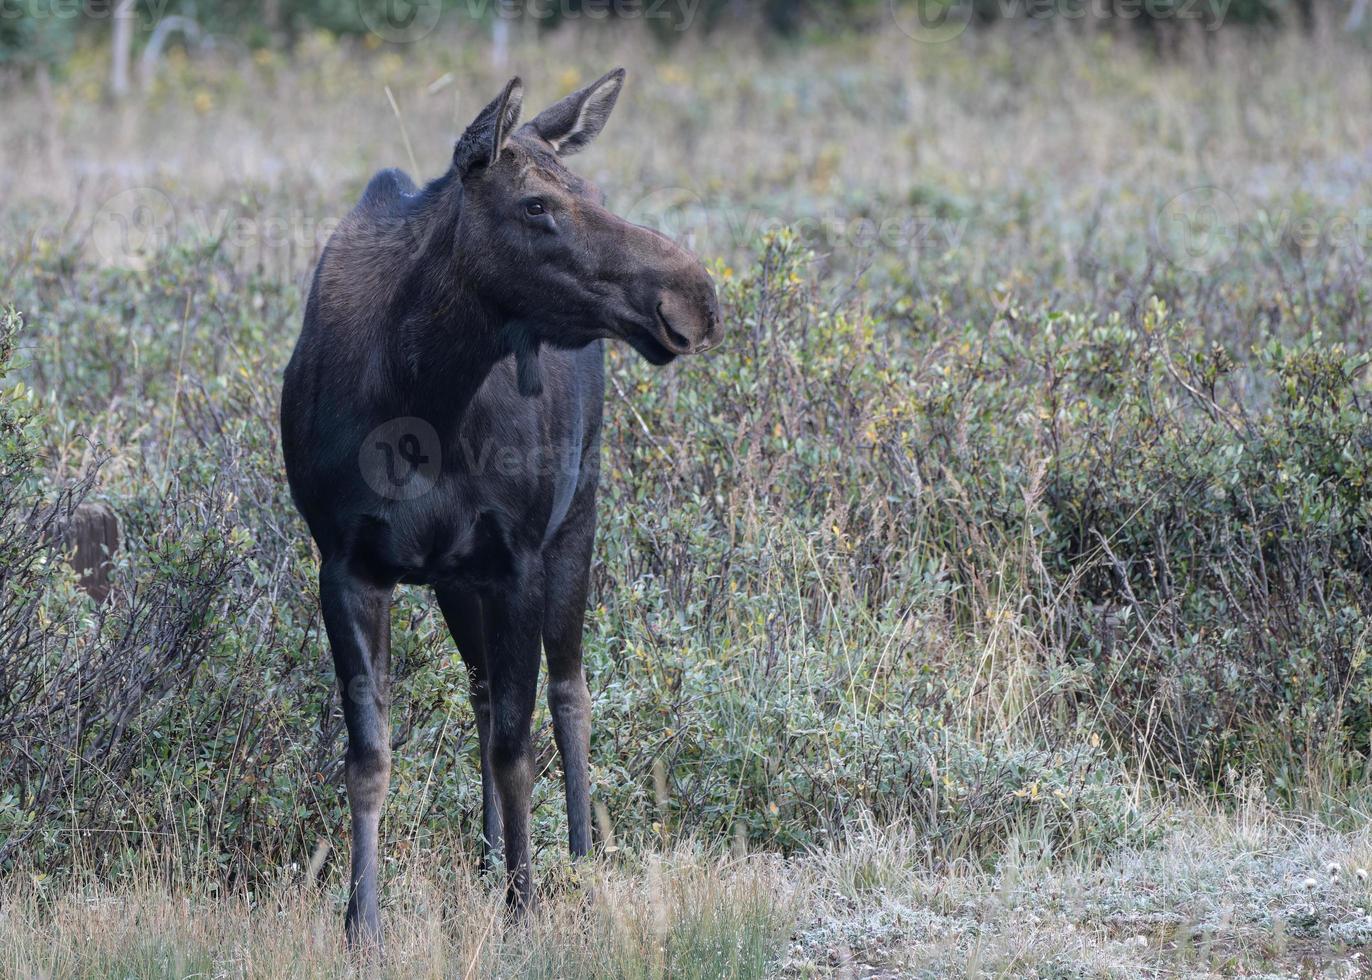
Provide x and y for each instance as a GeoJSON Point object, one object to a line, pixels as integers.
{"type": "Point", "coordinates": [449, 338]}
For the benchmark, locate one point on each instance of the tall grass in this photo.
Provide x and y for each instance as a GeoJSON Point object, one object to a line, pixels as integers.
{"type": "Point", "coordinates": [1241, 891]}
{"type": "Point", "coordinates": [680, 915]}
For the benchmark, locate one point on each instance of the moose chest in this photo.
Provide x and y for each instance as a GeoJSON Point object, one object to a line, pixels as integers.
{"type": "Point", "coordinates": [474, 503]}
{"type": "Point", "coordinates": [426, 545]}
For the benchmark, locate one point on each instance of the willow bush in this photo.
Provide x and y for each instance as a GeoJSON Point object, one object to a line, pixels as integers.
{"type": "Point", "coordinates": [977, 575]}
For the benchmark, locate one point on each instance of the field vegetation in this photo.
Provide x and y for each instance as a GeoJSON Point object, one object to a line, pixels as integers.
{"type": "Point", "coordinates": [995, 601]}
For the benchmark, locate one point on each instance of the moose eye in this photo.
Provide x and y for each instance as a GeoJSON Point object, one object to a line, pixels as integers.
{"type": "Point", "coordinates": [534, 208]}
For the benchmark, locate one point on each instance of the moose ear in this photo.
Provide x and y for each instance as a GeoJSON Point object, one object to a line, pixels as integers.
{"type": "Point", "coordinates": [576, 120]}
{"type": "Point", "coordinates": [481, 144]}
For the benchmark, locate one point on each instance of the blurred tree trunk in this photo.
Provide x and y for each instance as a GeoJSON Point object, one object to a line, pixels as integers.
{"type": "Point", "coordinates": [1307, 13]}
{"type": "Point", "coordinates": [1357, 13]}
{"type": "Point", "coordinates": [52, 146]}
{"type": "Point", "coordinates": [122, 43]}
{"type": "Point", "coordinates": [91, 538]}
{"type": "Point", "coordinates": [500, 42]}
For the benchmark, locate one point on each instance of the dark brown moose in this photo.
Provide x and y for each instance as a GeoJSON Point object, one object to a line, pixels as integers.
{"type": "Point", "coordinates": [440, 424]}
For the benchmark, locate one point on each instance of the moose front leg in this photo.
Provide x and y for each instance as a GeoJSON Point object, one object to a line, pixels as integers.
{"type": "Point", "coordinates": [512, 626]}
{"type": "Point", "coordinates": [357, 618]}
{"type": "Point", "coordinates": [566, 569]}
{"type": "Point", "coordinates": [463, 614]}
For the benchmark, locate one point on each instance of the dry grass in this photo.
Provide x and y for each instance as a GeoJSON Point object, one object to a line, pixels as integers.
{"type": "Point", "coordinates": [996, 150]}
{"type": "Point", "coordinates": [1222, 894]}
{"type": "Point", "coordinates": [1244, 893]}
{"type": "Point", "coordinates": [680, 915]}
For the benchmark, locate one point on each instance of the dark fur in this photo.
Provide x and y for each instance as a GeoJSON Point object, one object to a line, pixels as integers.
{"type": "Point", "coordinates": [458, 306]}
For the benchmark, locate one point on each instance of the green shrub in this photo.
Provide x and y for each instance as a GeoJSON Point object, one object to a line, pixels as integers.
{"type": "Point", "coordinates": [771, 648]}
{"type": "Point", "coordinates": [1202, 532]}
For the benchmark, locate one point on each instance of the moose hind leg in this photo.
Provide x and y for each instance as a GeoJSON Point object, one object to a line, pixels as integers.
{"type": "Point", "coordinates": [462, 612]}
{"type": "Point", "coordinates": [357, 618]}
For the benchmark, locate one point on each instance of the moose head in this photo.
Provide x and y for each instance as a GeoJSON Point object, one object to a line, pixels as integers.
{"type": "Point", "coordinates": [541, 250]}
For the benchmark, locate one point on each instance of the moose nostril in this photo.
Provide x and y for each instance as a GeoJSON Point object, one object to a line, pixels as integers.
{"type": "Point", "coordinates": [715, 326]}
{"type": "Point", "coordinates": [675, 338]}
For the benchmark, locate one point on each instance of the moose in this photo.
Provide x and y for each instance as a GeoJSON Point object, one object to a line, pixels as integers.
{"type": "Point", "coordinates": [442, 323]}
